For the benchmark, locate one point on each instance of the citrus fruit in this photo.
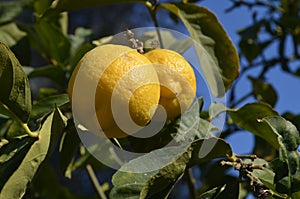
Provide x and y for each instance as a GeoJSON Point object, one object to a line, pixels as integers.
{"type": "Point", "coordinates": [127, 87]}
{"type": "Point", "coordinates": [177, 80]}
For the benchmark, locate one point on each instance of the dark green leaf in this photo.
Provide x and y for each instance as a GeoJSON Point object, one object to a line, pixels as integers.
{"type": "Point", "coordinates": [46, 105]}
{"type": "Point", "coordinates": [69, 144]}
{"type": "Point", "coordinates": [252, 50]}
{"type": "Point", "coordinates": [248, 118]}
{"type": "Point", "coordinates": [40, 185]}
{"type": "Point", "coordinates": [264, 91]}
{"type": "Point", "coordinates": [218, 56]}
{"type": "Point", "coordinates": [49, 40]}
{"type": "Point", "coordinates": [15, 98]}
{"type": "Point", "coordinates": [68, 5]}
{"type": "Point", "coordinates": [54, 73]}
{"type": "Point", "coordinates": [204, 150]}
{"type": "Point", "coordinates": [16, 185]}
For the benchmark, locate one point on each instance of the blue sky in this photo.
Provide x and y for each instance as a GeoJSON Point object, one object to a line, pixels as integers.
{"type": "Point", "coordinates": [285, 84]}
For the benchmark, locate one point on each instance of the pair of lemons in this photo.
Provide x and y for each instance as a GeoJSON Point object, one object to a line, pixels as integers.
{"type": "Point", "coordinates": [130, 82]}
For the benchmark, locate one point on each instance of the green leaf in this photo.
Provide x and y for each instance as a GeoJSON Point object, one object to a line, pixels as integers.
{"type": "Point", "coordinates": [12, 155]}
{"type": "Point", "coordinates": [289, 133]}
{"type": "Point", "coordinates": [40, 185]}
{"type": "Point", "coordinates": [219, 59]}
{"type": "Point", "coordinates": [46, 105]}
{"type": "Point", "coordinates": [288, 169]}
{"type": "Point", "coordinates": [69, 144]}
{"type": "Point", "coordinates": [248, 117]}
{"type": "Point", "coordinates": [165, 167]}
{"type": "Point", "coordinates": [11, 9]}
{"type": "Point", "coordinates": [54, 73]}
{"type": "Point", "coordinates": [10, 34]}
{"type": "Point", "coordinates": [204, 150]}
{"type": "Point", "coordinates": [191, 126]}
{"type": "Point", "coordinates": [263, 91]}
{"type": "Point", "coordinates": [15, 98]}
{"type": "Point", "coordinates": [16, 185]}
{"type": "Point", "coordinates": [213, 193]}
{"type": "Point", "coordinates": [49, 41]}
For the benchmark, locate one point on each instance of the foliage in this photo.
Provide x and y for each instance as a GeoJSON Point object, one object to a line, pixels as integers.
{"type": "Point", "coordinates": [37, 132]}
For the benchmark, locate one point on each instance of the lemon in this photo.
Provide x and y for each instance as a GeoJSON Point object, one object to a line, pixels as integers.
{"type": "Point", "coordinates": [177, 79]}
{"type": "Point", "coordinates": [125, 86]}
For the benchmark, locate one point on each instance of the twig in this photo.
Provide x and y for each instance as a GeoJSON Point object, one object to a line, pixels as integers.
{"type": "Point", "coordinates": [95, 182]}
{"type": "Point", "coordinates": [152, 7]}
{"type": "Point", "coordinates": [22, 124]}
{"type": "Point", "coordinates": [191, 182]}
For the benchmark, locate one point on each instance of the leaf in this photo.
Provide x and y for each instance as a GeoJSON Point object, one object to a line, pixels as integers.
{"type": "Point", "coordinates": [289, 133]}
{"type": "Point", "coordinates": [68, 5]}
{"type": "Point", "coordinates": [263, 91]}
{"type": "Point", "coordinates": [288, 169]}
{"type": "Point", "coordinates": [11, 9]}
{"type": "Point", "coordinates": [69, 144]}
{"type": "Point", "coordinates": [205, 150]}
{"type": "Point", "coordinates": [51, 72]}
{"type": "Point", "coordinates": [191, 126]}
{"type": "Point", "coordinates": [248, 116]}
{"type": "Point", "coordinates": [12, 155]}
{"type": "Point", "coordinates": [10, 34]}
{"type": "Point", "coordinates": [154, 174]}
{"type": "Point", "coordinates": [15, 98]}
{"type": "Point", "coordinates": [218, 57]}
{"type": "Point", "coordinates": [159, 169]}
{"type": "Point", "coordinates": [46, 105]}
{"type": "Point", "coordinates": [16, 185]}
{"type": "Point", "coordinates": [215, 109]}
{"type": "Point", "coordinates": [49, 40]}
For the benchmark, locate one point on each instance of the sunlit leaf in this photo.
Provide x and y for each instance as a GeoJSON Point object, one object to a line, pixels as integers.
{"type": "Point", "coordinates": [218, 56]}
{"type": "Point", "coordinates": [15, 98]}
{"type": "Point", "coordinates": [16, 185]}
{"type": "Point", "coordinates": [10, 34]}
{"type": "Point", "coordinates": [248, 117]}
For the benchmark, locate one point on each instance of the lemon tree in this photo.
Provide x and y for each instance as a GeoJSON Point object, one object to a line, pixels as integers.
{"type": "Point", "coordinates": [63, 86]}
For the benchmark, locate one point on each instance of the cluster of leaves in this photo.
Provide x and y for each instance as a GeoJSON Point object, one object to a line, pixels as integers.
{"type": "Point", "coordinates": [33, 127]}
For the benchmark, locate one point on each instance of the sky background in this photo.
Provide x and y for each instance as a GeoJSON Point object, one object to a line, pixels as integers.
{"type": "Point", "coordinates": [286, 85]}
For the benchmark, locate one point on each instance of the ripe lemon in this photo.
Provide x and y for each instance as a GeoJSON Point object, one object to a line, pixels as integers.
{"type": "Point", "coordinates": [125, 82]}
{"type": "Point", "coordinates": [177, 79]}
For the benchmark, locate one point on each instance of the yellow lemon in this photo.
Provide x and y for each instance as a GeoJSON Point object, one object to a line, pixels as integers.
{"type": "Point", "coordinates": [122, 83]}
{"type": "Point", "coordinates": [177, 79]}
